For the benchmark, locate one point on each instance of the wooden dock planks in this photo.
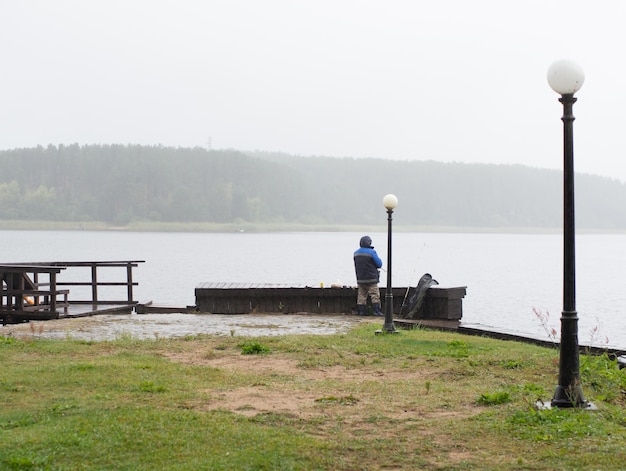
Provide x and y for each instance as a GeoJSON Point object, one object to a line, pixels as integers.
{"type": "Point", "coordinates": [244, 298]}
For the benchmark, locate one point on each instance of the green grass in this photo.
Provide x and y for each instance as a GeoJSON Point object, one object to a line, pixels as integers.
{"type": "Point", "coordinates": [417, 400]}
{"type": "Point", "coordinates": [253, 348]}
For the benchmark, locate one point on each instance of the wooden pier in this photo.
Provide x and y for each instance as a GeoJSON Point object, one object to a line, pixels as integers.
{"type": "Point", "coordinates": [243, 298]}
{"type": "Point", "coordinates": [39, 291]}
{"type": "Point", "coordinates": [43, 291]}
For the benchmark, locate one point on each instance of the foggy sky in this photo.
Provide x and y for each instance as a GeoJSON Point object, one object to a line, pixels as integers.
{"type": "Point", "coordinates": [445, 80]}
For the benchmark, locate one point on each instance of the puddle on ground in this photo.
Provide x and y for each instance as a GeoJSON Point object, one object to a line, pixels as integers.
{"type": "Point", "coordinates": [152, 326]}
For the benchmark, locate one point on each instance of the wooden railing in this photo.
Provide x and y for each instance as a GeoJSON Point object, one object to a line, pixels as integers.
{"type": "Point", "coordinates": [32, 291]}
{"type": "Point", "coordinates": [95, 280]}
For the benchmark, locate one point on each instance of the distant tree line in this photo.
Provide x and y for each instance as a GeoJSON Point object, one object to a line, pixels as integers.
{"type": "Point", "coordinates": [119, 184]}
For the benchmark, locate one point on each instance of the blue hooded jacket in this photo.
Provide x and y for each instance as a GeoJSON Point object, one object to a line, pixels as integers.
{"type": "Point", "coordinates": [366, 263]}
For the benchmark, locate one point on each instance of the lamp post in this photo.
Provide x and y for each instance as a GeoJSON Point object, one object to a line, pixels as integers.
{"type": "Point", "coordinates": [390, 202]}
{"type": "Point", "coordinates": [566, 78]}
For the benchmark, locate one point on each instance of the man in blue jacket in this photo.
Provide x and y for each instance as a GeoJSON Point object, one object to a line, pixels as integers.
{"type": "Point", "coordinates": [367, 264]}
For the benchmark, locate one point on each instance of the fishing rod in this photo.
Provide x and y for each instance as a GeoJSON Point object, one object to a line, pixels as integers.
{"type": "Point", "coordinates": [406, 294]}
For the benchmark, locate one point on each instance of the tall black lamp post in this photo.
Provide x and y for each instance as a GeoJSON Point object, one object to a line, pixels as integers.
{"type": "Point", "coordinates": [566, 78]}
{"type": "Point", "coordinates": [390, 202]}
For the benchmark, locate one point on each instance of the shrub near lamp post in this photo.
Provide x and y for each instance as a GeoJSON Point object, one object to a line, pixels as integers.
{"type": "Point", "coordinates": [566, 78]}
{"type": "Point", "coordinates": [390, 202]}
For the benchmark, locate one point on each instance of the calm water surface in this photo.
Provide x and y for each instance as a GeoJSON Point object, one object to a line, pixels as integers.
{"type": "Point", "coordinates": [507, 275]}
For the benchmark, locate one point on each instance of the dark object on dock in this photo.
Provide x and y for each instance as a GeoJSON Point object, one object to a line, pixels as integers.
{"type": "Point", "coordinates": [413, 303]}
{"type": "Point", "coordinates": [148, 307]}
{"type": "Point", "coordinates": [244, 298]}
{"type": "Point", "coordinates": [36, 291]}
{"type": "Point", "coordinates": [442, 303]}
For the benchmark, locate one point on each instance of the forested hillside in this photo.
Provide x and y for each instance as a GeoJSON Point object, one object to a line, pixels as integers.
{"type": "Point", "coordinates": [121, 184]}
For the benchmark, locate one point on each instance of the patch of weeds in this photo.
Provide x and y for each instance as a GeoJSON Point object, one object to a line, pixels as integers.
{"type": "Point", "coordinates": [554, 424]}
{"type": "Point", "coordinates": [532, 416]}
{"type": "Point", "coordinates": [349, 400]}
{"type": "Point", "coordinates": [453, 349]}
{"type": "Point", "coordinates": [458, 348]}
{"type": "Point", "coordinates": [494, 399]}
{"type": "Point", "coordinates": [7, 340]}
{"type": "Point", "coordinates": [512, 364]}
{"type": "Point", "coordinates": [61, 409]}
{"type": "Point", "coordinates": [604, 376]}
{"type": "Point", "coordinates": [150, 387]}
{"type": "Point", "coordinates": [254, 348]}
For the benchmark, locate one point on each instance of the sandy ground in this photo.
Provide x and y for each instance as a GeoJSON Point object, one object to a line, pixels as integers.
{"type": "Point", "coordinates": [144, 326]}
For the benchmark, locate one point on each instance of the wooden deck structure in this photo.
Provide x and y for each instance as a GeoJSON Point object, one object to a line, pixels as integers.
{"type": "Point", "coordinates": [243, 298]}
{"type": "Point", "coordinates": [38, 291]}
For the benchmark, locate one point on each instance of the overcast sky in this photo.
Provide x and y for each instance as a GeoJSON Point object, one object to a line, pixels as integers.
{"type": "Point", "coordinates": [445, 80]}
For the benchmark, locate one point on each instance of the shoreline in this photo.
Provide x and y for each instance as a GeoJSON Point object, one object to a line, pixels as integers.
{"type": "Point", "coordinates": [244, 227]}
{"type": "Point", "coordinates": [106, 327]}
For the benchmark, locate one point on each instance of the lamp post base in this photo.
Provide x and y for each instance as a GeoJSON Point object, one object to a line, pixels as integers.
{"type": "Point", "coordinates": [569, 397]}
{"type": "Point", "coordinates": [388, 326]}
{"type": "Point", "coordinates": [385, 331]}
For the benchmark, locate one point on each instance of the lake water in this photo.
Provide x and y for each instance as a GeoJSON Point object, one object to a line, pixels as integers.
{"type": "Point", "coordinates": [507, 275]}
